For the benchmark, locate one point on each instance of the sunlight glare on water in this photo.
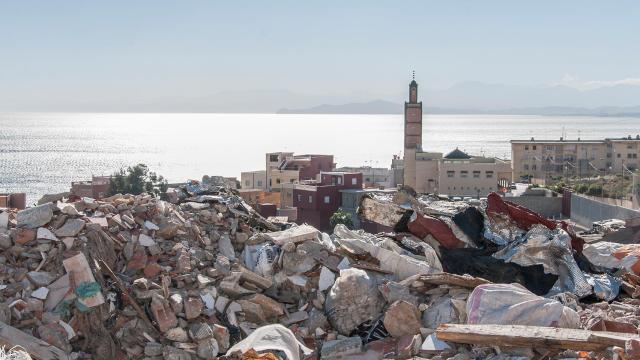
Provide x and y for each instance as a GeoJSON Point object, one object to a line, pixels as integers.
{"type": "Point", "coordinates": [42, 153]}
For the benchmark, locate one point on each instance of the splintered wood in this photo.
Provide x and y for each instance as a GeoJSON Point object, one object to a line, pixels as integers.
{"type": "Point", "coordinates": [532, 336]}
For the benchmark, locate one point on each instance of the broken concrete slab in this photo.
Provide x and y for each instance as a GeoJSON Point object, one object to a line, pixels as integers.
{"type": "Point", "coordinates": [46, 234]}
{"type": "Point", "coordinates": [70, 228]}
{"type": "Point", "coordinates": [34, 217]}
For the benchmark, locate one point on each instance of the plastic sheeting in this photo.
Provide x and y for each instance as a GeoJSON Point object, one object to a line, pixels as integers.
{"type": "Point", "coordinates": [551, 249]}
{"type": "Point", "coordinates": [512, 304]}
{"type": "Point", "coordinates": [605, 286]}
{"type": "Point", "coordinates": [272, 337]}
{"type": "Point", "coordinates": [402, 266]}
{"type": "Point", "coordinates": [614, 256]}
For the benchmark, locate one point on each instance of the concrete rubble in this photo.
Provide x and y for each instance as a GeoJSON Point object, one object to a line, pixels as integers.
{"type": "Point", "coordinates": [204, 276]}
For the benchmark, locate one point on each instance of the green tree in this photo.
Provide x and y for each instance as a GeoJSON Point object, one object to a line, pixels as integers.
{"type": "Point", "coordinates": [594, 190]}
{"type": "Point", "coordinates": [137, 180]}
{"type": "Point", "coordinates": [582, 188]}
{"type": "Point", "coordinates": [341, 217]}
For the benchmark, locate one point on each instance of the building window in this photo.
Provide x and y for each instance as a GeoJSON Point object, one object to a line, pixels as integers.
{"type": "Point", "coordinates": [259, 182]}
{"type": "Point", "coordinates": [339, 181]}
{"type": "Point", "coordinates": [635, 156]}
{"type": "Point", "coordinates": [273, 157]}
{"type": "Point", "coordinates": [476, 174]}
{"type": "Point", "coordinates": [628, 156]}
{"type": "Point", "coordinates": [291, 180]}
{"type": "Point", "coordinates": [310, 199]}
{"type": "Point", "coordinates": [327, 199]}
{"type": "Point", "coordinates": [534, 167]}
{"type": "Point", "coordinates": [299, 198]}
{"type": "Point", "coordinates": [354, 181]}
{"type": "Point", "coordinates": [489, 174]}
{"type": "Point", "coordinates": [367, 179]}
{"type": "Point", "coordinates": [451, 173]}
{"type": "Point", "coordinates": [288, 194]}
{"type": "Point", "coordinates": [246, 183]}
{"type": "Point", "coordinates": [278, 181]}
{"type": "Point", "coordinates": [464, 173]}
{"type": "Point", "coordinates": [526, 166]}
{"type": "Point", "coordinates": [619, 154]}
{"type": "Point", "coordinates": [526, 147]}
{"type": "Point", "coordinates": [534, 147]}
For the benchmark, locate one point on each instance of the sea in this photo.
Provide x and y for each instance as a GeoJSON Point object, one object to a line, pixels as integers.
{"type": "Point", "coordinates": [44, 152]}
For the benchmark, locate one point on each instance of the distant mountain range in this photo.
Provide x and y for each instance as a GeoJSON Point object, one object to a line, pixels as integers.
{"type": "Point", "coordinates": [388, 107]}
{"type": "Point", "coordinates": [621, 99]}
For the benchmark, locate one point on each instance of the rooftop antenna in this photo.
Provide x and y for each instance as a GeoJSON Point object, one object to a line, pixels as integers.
{"type": "Point", "coordinates": [413, 75]}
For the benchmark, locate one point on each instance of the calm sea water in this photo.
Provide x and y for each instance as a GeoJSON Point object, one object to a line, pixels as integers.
{"type": "Point", "coordinates": [43, 153]}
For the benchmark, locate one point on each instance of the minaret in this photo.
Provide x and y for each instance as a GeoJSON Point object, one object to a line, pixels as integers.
{"type": "Point", "coordinates": [412, 133]}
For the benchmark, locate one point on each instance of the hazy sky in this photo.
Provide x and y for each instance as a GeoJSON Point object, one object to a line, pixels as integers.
{"type": "Point", "coordinates": [112, 49]}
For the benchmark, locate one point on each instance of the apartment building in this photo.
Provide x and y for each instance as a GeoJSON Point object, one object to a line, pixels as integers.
{"type": "Point", "coordinates": [563, 157]}
{"type": "Point", "coordinates": [97, 188]}
{"type": "Point", "coordinates": [287, 168]}
{"type": "Point", "coordinates": [317, 201]}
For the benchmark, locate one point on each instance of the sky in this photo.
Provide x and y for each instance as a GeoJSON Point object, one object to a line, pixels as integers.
{"type": "Point", "coordinates": [76, 51]}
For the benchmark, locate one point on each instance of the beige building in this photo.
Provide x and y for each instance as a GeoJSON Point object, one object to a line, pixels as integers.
{"type": "Point", "coordinates": [464, 175]}
{"type": "Point", "coordinates": [254, 180]}
{"type": "Point", "coordinates": [546, 158]}
{"type": "Point", "coordinates": [455, 174]}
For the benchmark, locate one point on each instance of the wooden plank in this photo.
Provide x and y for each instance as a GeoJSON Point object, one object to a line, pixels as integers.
{"type": "Point", "coordinates": [79, 266]}
{"type": "Point", "coordinates": [532, 336]}
{"type": "Point", "coordinates": [466, 281]}
{"type": "Point", "coordinates": [39, 349]}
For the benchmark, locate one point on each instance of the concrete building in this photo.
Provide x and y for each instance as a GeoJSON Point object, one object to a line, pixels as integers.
{"type": "Point", "coordinates": [397, 167]}
{"type": "Point", "coordinates": [372, 177]}
{"type": "Point", "coordinates": [546, 158]}
{"type": "Point", "coordinates": [455, 174]}
{"type": "Point", "coordinates": [316, 202]}
{"type": "Point", "coordinates": [254, 197]}
{"type": "Point", "coordinates": [460, 174]}
{"type": "Point", "coordinates": [253, 179]}
{"type": "Point", "coordinates": [286, 168]}
{"type": "Point", "coordinates": [13, 200]}
{"type": "Point", "coordinates": [97, 188]}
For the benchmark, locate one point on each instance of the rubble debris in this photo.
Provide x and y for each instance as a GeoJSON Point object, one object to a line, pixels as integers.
{"type": "Point", "coordinates": [402, 318]}
{"type": "Point", "coordinates": [353, 299]}
{"type": "Point", "coordinates": [205, 276]}
{"type": "Point", "coordinates": [34, 346]}
{"type": "Point", "coordinates": [34, 217]}
{"type": "Point", "coordinates": [338, 349]}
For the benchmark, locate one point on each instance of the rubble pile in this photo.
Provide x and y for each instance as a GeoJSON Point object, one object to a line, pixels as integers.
{"type": "Point", "coordinates": [203, 276]}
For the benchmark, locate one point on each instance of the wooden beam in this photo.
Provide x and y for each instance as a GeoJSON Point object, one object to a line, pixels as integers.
{"type": "Point", "coordinates": [39, 349]}
{"type": "Point", "coordinates": [532, 336]}
{"type": "Point", "coordinates": [466, 281]}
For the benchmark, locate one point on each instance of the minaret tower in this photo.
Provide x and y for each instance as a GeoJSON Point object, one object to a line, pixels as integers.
{"type": "Point", "coordinates": [412, 133]}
